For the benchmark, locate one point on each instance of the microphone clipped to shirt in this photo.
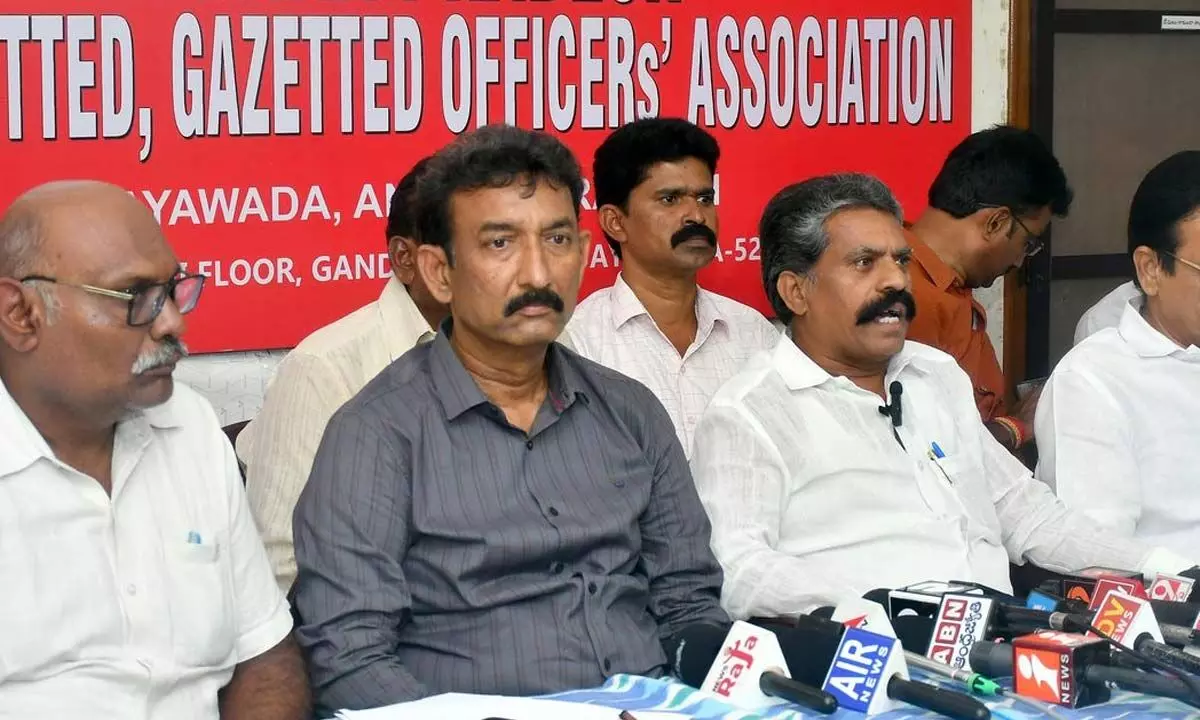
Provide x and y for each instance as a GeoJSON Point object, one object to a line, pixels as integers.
{"type": "Point", "coordinates": [892, 408]}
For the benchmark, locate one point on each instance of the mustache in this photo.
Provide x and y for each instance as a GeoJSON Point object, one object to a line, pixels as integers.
{"type": "Point", "coordinates": [540, 296]}
{"type": "Point", "coordinates": [693, 230]}
{"type": "Point", "coordinates": [880, 306]}
{"type": "Point", "coordinates": [171, 351]}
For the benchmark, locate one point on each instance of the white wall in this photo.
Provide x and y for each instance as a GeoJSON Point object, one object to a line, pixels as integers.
{"type": "Point", "coordinates": [236, 382]}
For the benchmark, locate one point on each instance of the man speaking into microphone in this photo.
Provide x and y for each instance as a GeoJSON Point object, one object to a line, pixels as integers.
{"type": "Point", "coordinates": [849, 459]}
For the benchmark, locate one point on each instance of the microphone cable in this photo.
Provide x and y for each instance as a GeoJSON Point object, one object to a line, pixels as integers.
{"type": "Point", "coordinates": [1192, 683]}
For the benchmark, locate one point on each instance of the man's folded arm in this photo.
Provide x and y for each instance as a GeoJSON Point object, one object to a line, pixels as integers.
{"type": "Point", "coordinates": [351, 531]}
{"type": "Point", "coordinates": [742, 480]}
{"type": "Point", "coordinates": [684, 576]}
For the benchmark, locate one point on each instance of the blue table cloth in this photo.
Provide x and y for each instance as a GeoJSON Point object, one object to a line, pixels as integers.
{"type": "Point", "coordinates": [629, 692]}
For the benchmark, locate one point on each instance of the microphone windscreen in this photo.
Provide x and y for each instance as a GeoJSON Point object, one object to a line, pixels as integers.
{"type": "Point", "coordinates": [810, 648]}
{"type": "Point", "coordinates": [914, 632]}
{"type": "Point", "coordinates": [696, 651]}
{"type": "Point", "coordinates": [1175, 613]}
{"type": "Point", "coordinates": [992, 660]}
{"type": "Point", "coordinates": [879, 595]}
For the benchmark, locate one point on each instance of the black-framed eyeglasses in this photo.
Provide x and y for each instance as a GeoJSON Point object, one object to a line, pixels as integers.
{"type": "Point", "coordinates": [145, 302]}
{"type": "Point", "coordinates": [1033, 243]}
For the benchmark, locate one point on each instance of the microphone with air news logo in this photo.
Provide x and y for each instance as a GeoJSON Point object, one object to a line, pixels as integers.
{"type": "Point", "coordinates": [869, 675]}
{"type": "Point", "coordinates": [746, 667]}
{"type": "Point", "coordinates": [1087, 672]}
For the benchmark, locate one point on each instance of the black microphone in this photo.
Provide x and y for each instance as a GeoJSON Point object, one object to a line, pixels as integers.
{"type": "Point", "coordinates": [996, 660]}
{"type": "Point", "coordinates": [827, 633]}
{"type": "Point", "coordinates": [892, 408]}
{"type": "Point", "coordinates": [700, 648]}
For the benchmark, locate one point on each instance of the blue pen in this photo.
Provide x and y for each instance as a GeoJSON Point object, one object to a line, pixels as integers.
{"type": "Point", "coordinates": [935, 454]}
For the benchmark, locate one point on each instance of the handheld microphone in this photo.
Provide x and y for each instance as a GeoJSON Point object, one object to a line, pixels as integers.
{"type": "Point", "coordinates": [1130, 622]}
{"type": "Point", "coordinates": [996, 660]}
{"type": "Point", "coordinates": [892, 408]}
{"type": "Point", "coordinates": [869, 675]}
{"type": "Point", "coordinates": [1170, 588]}
{"type": "Point", "coordinates": [749, 670]}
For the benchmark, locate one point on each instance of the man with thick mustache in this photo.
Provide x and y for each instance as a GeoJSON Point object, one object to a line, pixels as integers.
{"type": "Point", "coordinates": [848, 459]}
{"type": "Point", "coordinates": [134, 582]}
{"type": "Point", "coordinates": [494, 513]}
{"type": "Point", "coordinates": [657, 209]}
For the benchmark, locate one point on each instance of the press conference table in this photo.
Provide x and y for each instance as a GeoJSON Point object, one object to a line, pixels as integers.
{"type": "Point", "coordinates": [629, 692]}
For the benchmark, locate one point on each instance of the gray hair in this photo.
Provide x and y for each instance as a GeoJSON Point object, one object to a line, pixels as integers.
{"type": "Point", "coordinates": [792, 230]}
{"type": "Point", "coordinates": [20, 243]}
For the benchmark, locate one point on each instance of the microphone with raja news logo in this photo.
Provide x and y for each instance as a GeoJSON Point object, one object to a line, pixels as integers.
{"type": "Point", "coordinates": [746, 667]}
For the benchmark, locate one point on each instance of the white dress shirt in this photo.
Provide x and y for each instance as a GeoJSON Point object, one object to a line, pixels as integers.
{"type": "Point", "coordinates": [325, 370]}
{"type": "Point", "coordinates": [1107, 312]}
{"type": "Point", "coordinates": [613, 328]}
{"type": "Point", "coordinates": [138, 605]}
{"type": "Point", "coordinates": [814, 501]}
{"type": "Point", "coordinates": [1118, 430]}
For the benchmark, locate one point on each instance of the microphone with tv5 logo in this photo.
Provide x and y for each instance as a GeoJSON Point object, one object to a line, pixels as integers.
{"type": "Point", "coordinates": [745, 667]}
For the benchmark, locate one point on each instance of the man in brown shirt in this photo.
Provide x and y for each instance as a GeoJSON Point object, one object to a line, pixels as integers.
{"type": "Point", "coordinates": [988, 208]}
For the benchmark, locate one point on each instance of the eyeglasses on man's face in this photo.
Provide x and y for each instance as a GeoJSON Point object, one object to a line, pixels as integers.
{"type": "Point", "coordinates": [1033, 243]}
{"type": "Point", "coordinates": [146, 302]}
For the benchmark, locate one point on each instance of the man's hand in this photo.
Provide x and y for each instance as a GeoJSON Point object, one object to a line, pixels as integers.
{"type": "Point", "coordinates": [1026, 407]}
{"type": "Point", "coordinates": [272, 686]}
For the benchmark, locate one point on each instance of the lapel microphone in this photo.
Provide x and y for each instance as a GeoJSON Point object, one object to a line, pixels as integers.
{"type": "Point", "coordinates": [892, 409]}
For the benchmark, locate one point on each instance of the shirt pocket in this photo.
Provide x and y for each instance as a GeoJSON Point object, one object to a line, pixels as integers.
{"type": "Point", "coordinates": [974, 501]}
{"type": "Point", "coordinates": [201, 606]}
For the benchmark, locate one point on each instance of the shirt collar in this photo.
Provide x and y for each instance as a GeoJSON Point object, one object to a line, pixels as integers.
{"type": "Point", "coordinates": [939, 272]}
{"type": "Point", "coordinates": [405, 324]}
{"type": "Point", "coordinates": [458, 392]}
{"type": "Point", "coordinates": [800, 372]}
{"type": "Point", "coordinates": [1146, 340]}
{"type": "Point", "coordinates": [21, 445]}
{"type": "Point", "coordinates": [626, 306]}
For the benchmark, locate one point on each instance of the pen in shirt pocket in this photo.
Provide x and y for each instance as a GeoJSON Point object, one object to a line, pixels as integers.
{"type": "Point", "coordinates": [936, 454]}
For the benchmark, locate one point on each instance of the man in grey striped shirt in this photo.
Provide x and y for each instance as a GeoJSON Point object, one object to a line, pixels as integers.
{"type": "Point", "coordinates": [494, 513]}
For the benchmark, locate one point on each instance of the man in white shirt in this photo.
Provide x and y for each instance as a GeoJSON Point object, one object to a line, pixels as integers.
{"type": "Point", "coordinates": [1120, 417]}
{"type": "Point", "coordinates": [324, 371]}
{"type": "Point", "coordinates": [847, 459]}
{"type": "Point", "coordinates": [1107, 312]}
{"type": "Point", "coordinates": [135, 584]}
{"type": "Point", "coordinates": [655, 194]}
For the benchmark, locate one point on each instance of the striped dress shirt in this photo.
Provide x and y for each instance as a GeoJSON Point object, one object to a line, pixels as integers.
{"type": "Point", "coordinates": [441, 549]}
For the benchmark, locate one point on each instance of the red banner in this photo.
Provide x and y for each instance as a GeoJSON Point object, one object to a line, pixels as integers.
{"type": "Point", "coordinates": [267, 136]}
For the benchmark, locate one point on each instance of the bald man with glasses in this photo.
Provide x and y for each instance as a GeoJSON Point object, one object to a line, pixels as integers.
{"type": "Point", "coordinates": [135, 584]}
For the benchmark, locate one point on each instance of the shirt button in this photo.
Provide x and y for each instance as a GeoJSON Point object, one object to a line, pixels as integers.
{"type": "Point", "coordinates": [607, 664]}
{"type": "Point", "coordinates": [556, 567]}
{"type": "Point", "coordinates": [592, 588]}
{"type": "Point", "coordinates": [529, 444]}
{"type": "Point", "coordinates": [553, 511]}
{"type": "Point", "coordinates": [131, 589]}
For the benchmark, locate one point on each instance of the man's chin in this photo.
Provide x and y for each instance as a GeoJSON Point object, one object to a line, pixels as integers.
{"type": "Point", "coordinates": [151, 391]}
